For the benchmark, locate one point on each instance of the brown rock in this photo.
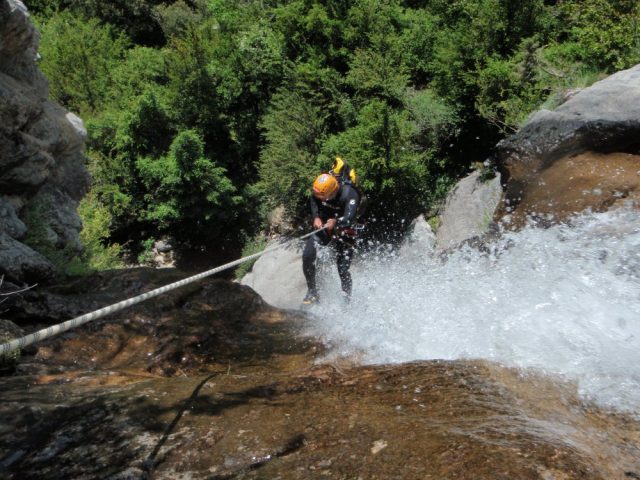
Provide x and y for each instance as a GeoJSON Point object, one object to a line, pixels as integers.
{"type": "Point", "coordinates": [573, 184]}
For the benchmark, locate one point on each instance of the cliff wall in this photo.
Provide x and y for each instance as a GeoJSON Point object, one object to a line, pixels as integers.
{"type": "Point", "coordinates": [42, 163]}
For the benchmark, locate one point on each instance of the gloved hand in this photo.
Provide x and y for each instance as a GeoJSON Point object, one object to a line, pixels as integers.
{"type": "Point", "coordinates": [331, 225]}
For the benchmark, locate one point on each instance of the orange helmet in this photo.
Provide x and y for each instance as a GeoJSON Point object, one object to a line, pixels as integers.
{"type": "Point", "coordinates": [325, 186]}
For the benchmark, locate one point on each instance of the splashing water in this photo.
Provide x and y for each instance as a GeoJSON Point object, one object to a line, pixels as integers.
{"type": "Point", "coordinates": [563, 300]}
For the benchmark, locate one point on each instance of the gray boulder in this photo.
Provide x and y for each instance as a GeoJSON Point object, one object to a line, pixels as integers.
{"type": "Point", "coordinates": [9, 221]}
{"type": "Point", "coordinates": [42, 163]}
{"type": "Point", "coordinates": [19, 46]}
{"type": "Point", "coordinates": [603, 117]}
{"type": "Point", "coordinates": [419, 242]}
{"type": "Point", "coordinates": [277, 276]}
{"type": "Point", "coordinates": [18, 261]}
{"type": "Point", "coordinates": [539, 162]}
{"type": "Point", "coordinates": [468, 210]}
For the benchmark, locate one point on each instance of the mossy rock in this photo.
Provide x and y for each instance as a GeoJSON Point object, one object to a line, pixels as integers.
{"type": "Point", "coordinates": [9, 331]}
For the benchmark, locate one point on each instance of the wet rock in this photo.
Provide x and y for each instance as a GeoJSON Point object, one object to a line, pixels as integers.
{"type": "Point", "coordinates": [468, 210]}
{"type": "Point", "coordinates": [264, 422]}
{"type": "Point", "coordinates": [211, 382]}
{"type": "Point", "coordinates": [572, 184]}
{"type": "Point", "coordinates": [419, 242]}
{"type": "Point", "coordinates": [600, 120]}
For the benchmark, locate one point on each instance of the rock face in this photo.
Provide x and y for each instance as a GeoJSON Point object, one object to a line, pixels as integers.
{"type": "Point", "coordinates": [419, 241]}
{"type": "Point", "coordinates": [41, 154]}
{"type": "Point", "coordinates": [277, 277]}
{"type": "Point", "coordinates": [583, 154]}
{"type": "Point", "coordinates": [468, 210]}
{"type": "Point", "coordinates": [210, 382]}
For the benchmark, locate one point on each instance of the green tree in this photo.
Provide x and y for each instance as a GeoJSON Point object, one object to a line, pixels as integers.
{"type": "Point", "coordinates": [295, 127]}
{"type": "Point", "coordinates": [96, 230]}
{"type": "Point", "coordinates": [188, 196]}
{"type": "Point", "coordinates": [78, 58]}
{"type": "Point", "coordinates": [607, 31]}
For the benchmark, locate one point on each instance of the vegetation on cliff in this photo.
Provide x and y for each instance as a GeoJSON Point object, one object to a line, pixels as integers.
{"type": "Point", "coordinates": [204, 115]}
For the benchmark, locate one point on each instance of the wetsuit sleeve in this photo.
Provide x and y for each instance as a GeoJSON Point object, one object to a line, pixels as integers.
{"type": "Point", "coordinates": [315, 207]}
{"type": "Point", "coordinates": [352, 201]}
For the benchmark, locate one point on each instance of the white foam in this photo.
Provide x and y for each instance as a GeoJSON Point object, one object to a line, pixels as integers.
{"type": "Point", "coordinates": [563, 300]}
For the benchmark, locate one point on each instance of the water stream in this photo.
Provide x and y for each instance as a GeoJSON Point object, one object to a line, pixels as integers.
{"type": "Point", "coordinates": [564, 301]}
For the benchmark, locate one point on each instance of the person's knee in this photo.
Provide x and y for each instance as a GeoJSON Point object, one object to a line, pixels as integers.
{"type": "Point", "coordinates": [343, 270]}
{"type": "Point", "coordinates": [309, 252]}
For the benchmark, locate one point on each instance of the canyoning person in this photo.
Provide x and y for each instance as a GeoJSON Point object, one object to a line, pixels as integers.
{"type": "Point", "coordinates": [334, 204]}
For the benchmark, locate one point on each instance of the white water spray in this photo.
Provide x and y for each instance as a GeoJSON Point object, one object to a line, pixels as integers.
{"type": "Point", "coordinates": [564, 301]}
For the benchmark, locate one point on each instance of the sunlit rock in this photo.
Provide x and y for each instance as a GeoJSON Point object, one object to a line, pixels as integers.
{"type": "Point", "coordinates": [419, 242]}
{"type": "Point", "coordinates": [42, 172]}
{"type": "Point", "coordinates": [469, 209]}
{"type": "Point", "coordinates": [277, 276]}
{"type": "Point", "coordinates": [9, 331]}
{"type": "Point", "coordinates": [589, 144]}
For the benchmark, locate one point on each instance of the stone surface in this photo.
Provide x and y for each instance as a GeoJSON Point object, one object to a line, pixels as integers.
{"type": "Point", "coordinates": [9, 221]}
{"type": "Point", "coordinates": [9, 331]}
{"type": "Point", "coordinates": [603, 119]}
{"type": "Point", "coordinates": [210, 382]}
{"type": "Point", "coordinates": [419, 242]}
{"type": "Point", "coordinates": [277, 276]}
{"type": "Point", "coordinates": [17, 261]}
{"type": "Point", "coordinates": [41, 146]}
{"type": "Point", "coordinates": [19, 45]}
{"type": "Point", "coordinates": [469, 209]}
{"type": "Point", "coordinates": [572, 184]}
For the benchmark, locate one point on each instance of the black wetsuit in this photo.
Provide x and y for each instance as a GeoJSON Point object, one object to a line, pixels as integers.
{"type": "Point", "coordinates": [343, 207]}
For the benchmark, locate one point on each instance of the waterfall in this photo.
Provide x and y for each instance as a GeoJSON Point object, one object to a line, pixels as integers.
{"type": "Point", "coordinates": [564, 301]}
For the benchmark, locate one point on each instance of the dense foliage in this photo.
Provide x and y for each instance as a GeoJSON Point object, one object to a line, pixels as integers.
{"type": "Point", "coordinates": [204, 115]}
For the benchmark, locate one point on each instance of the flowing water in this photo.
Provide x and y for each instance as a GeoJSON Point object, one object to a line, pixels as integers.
{"type": "Point", "coordinates": [563, 301]}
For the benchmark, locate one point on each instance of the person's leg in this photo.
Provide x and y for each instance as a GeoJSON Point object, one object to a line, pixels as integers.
{"type": "Point", "coordinates": [309, 255]}
{"type": "Point", "coordinates": [344, 252]}
{"type": "Point", "coordinates": [309, 264]}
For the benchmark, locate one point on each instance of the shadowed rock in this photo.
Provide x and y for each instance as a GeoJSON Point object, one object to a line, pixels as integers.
{"type": "Point", "coordinates": [210, 382]}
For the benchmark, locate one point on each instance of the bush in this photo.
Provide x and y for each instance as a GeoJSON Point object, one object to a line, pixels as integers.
{"type": "Point", "coordinates": [96, 221]}
{"type": "Point", "coordinates": [78, 58]}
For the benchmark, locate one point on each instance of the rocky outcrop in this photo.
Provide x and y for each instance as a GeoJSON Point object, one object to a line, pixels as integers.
{"type": "Point", "coordinates": [210, 382]}
{"type": "Point", "coordinates": [42, 173]}
{"type": "Point", "coordinates": [584, 154]}
{"type": "Point", "coordinates": [277, 276]}
{"type": "Point", "coordinates": [469, 209]}
{"type": "Point", "coordinates": [419, 241]}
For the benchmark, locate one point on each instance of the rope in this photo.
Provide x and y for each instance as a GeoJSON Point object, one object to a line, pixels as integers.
{"type": "Point", "coordinates": [6, 348]}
